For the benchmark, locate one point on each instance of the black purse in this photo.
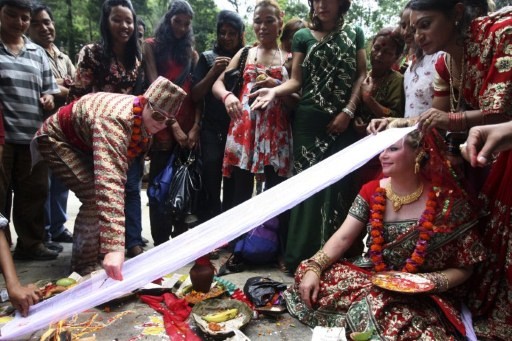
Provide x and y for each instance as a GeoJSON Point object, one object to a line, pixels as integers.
{"type": "Point", "coordinates": [233, 79]}
{"type": "Point", "coordinates": [186, 184]}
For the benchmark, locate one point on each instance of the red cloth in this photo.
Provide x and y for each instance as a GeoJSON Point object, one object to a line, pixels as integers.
{"type": "Point", "coordinates": [66, 124]}
{"type": "Point", "coordinates": [175, 312]}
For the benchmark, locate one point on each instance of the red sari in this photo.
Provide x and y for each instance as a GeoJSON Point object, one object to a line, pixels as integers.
{"type": "Point", "coordinates": [348, 298]}
{"type": "Point", "coordinates": [488, 87]}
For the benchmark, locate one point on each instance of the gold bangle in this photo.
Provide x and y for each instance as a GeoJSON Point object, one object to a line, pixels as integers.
{"type": "Point", "coordinates": [315, 269]}
{"type": "Point", "coordinates": [321, 259]}
{"type": "Point", "coordinates": [439, 279]}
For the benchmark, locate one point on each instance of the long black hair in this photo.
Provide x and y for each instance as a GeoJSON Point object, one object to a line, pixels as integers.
{"type": "Point", "coordinates": [233, 19]}
{"type": "Point", "coordinates": [167, 46]}
{"type": "Point", "coordinates": [132, 51]}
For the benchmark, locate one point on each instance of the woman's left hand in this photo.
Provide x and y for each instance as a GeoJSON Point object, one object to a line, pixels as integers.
{"type": "Point", "coordinates": [113, 264]}
{"type": "Point", "coordinates": [433, 118]}
{"type": "Point", "coordinates": [338, 124]}
{"type": "Point", "coordinates": [193, 136]}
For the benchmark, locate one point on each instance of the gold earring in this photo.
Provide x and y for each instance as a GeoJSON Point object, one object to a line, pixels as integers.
{"type": "Point", "coordinates": [417, 165]}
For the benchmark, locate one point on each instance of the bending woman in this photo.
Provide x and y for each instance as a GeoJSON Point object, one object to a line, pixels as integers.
{"type": "Point", "coordinates": [419, 221]}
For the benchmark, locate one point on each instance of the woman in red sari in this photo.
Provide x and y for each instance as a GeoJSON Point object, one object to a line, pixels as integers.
{"type": "Point", "coordinates": [421, 224]}
{"type": "Point", "coordinates": [481, 51]}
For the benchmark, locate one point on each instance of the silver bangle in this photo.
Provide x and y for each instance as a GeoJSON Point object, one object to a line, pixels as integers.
{"type": "Point", "coordinates": [349, 112]}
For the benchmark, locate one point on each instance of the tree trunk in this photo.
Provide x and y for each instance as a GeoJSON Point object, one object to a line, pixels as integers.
{"type": "Point", "coordinates": [71, 35]}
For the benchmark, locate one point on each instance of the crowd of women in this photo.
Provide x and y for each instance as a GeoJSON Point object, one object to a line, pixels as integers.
{"type": "Point", "coordinates": [426, 212]}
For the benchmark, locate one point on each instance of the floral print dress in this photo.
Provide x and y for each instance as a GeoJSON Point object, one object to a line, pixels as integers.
{"type": "Point", "coordinates": [259, 138]}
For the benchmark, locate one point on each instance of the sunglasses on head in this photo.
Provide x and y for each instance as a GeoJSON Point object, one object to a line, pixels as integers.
{"type": "Point", "coordinates": [159, 117]}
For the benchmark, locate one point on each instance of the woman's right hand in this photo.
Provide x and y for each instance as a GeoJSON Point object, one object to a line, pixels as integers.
{"type": "Point", "coordinates": [233, 107]}
{"type": "Point", "coordinates": [264, 97]}
{"type": "Point", "coordinates": [376, 125]}
{"type": "Point", "coordinates": [309, 288]}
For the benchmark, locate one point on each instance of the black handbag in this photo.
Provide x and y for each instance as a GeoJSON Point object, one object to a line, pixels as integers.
{"type": "Point", "coordinates": [233, 79]}
{"type": "Point", "coordinates": [186, 184]}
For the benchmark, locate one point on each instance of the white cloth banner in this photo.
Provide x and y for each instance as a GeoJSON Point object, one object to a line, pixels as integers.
{"type": "Point", "coordinates": [180, 251]}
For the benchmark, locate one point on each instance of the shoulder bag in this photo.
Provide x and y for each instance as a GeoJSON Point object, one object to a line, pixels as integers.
{"type": "Point", "coordinates": [233, 79]}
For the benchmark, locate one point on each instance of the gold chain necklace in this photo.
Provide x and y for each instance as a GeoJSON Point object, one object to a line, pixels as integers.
{"type": "Point", "coordinates": [398, 201]}
{"type": "Point", "coordinates": [454, 102]}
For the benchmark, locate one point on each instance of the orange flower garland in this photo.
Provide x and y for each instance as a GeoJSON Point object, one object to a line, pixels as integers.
{"type": "Point", "coordinates": [425, 228]}
{"type": "Point", "coordinates": [137, 142]}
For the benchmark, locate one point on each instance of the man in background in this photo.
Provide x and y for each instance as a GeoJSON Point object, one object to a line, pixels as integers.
{"type": "Point", "coordinates": [26, 88]}
{"type": "Point", "coordinates": [42, 32]}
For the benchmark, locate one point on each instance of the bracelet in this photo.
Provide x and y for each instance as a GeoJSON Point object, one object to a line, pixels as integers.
{"type": "Point", "coordinates": [313, 267]}
{"type": "Point", "coordinates": [439, 279]}
{"type": "Point", "coordinates": [321, 259]}
{"type": "Point", "coordinates": [457, 121]}
{"type": "Point", "coordinates": [226, 96]}
{"type": "Point", "coordinates": [349, 112]}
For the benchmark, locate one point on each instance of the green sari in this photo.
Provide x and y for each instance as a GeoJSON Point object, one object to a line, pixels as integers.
{"type": "Point", "coordinates": [328, 73]}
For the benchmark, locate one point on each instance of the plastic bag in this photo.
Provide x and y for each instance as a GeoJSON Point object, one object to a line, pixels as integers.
{"type": "Point", "coordinates": [262, 290]}
{"type": "Point", "coordinates": [186, 185]}
{"type": "Point", "coordinates": [158, 189]}
{"type": "Point", "coordinates": [261, 245]}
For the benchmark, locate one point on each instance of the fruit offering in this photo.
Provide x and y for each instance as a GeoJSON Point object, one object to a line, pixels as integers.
{"type": "Point", "coordinates": [221, 316]}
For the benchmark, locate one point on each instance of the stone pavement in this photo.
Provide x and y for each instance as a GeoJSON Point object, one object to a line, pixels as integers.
{"type": "Point", "coordinates": [128, 318]}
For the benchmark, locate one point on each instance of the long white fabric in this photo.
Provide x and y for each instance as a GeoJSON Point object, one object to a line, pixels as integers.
{"type": "Point", "coordinates": [180, 251]}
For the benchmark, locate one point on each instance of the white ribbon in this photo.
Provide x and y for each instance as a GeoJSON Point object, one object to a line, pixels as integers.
{"type": "Point", "coordinates": [180, 251]}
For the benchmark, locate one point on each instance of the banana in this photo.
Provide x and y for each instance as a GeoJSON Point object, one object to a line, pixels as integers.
{"type": "Point", "coordinates": [221, 316]}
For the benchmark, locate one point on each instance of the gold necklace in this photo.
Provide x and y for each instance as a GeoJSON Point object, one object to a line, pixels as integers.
{"type": "Point", "coordinates": [398, 201]}
{"type": "Point", "coordinates": [454, 102]}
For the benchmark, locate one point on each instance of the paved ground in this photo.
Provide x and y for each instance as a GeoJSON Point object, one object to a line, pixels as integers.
{"type": "Point", "coordinates": [130, 319]}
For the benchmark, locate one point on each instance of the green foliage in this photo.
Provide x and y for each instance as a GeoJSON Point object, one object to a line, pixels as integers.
{"type": "Point", "coordinates": [372, 15]}
{"type": "Point", "coordinates": [204, 23]}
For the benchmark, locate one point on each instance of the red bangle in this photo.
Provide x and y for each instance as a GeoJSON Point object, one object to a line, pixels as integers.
{"type": "Point", "coordinates": [226, 96]}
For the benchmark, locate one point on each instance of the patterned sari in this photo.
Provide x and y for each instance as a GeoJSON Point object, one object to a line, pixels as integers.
{"type": "Point", "coordinates": [348, 298]}
{"type": "Point", "coordinates": [488, 87]}
{"type": "Point", "coordinates": [328, 73]}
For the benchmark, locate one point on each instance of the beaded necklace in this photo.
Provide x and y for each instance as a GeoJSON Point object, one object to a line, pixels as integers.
{"type": "Point", "coordinates": [425, 228]}
{"type": "Point", "coordinates": [139, 140]}
{"type": "Point", "coordinates": [454, 102]}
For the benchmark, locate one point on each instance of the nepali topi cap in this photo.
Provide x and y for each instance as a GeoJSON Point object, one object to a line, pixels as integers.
{"type": "Point", "coordinates": [165, 95]}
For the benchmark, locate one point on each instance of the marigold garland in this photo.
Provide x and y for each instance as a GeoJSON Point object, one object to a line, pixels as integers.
{"type": "Point", "coordinates": [425, 228]}
{"type": "Point", "coordinates": [137, 142]}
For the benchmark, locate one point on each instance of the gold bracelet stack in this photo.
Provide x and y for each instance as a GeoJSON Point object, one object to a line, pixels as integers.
{"type": "Point", "coordinates": [321, 259]}
{"type": "Point", "coordinates": [312, 266]}
{"type": "Point", "coordinates": [439, 279]}
{"type": "Point", "coordinates": [318, 263]}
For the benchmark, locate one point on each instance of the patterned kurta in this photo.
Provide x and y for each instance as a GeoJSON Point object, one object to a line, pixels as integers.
{"type": "Point", "coordinates": [348, 298]}
{"type": "Point", "coordinates": [95, 147]}
{"type": "Point", "coordinates": [93, 75]}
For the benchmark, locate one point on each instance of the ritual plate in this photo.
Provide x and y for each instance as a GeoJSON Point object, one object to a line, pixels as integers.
{"type": "Point", "coordinates": [217, 305]}
{"type": "Point", "coordinates": [403, 282]}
